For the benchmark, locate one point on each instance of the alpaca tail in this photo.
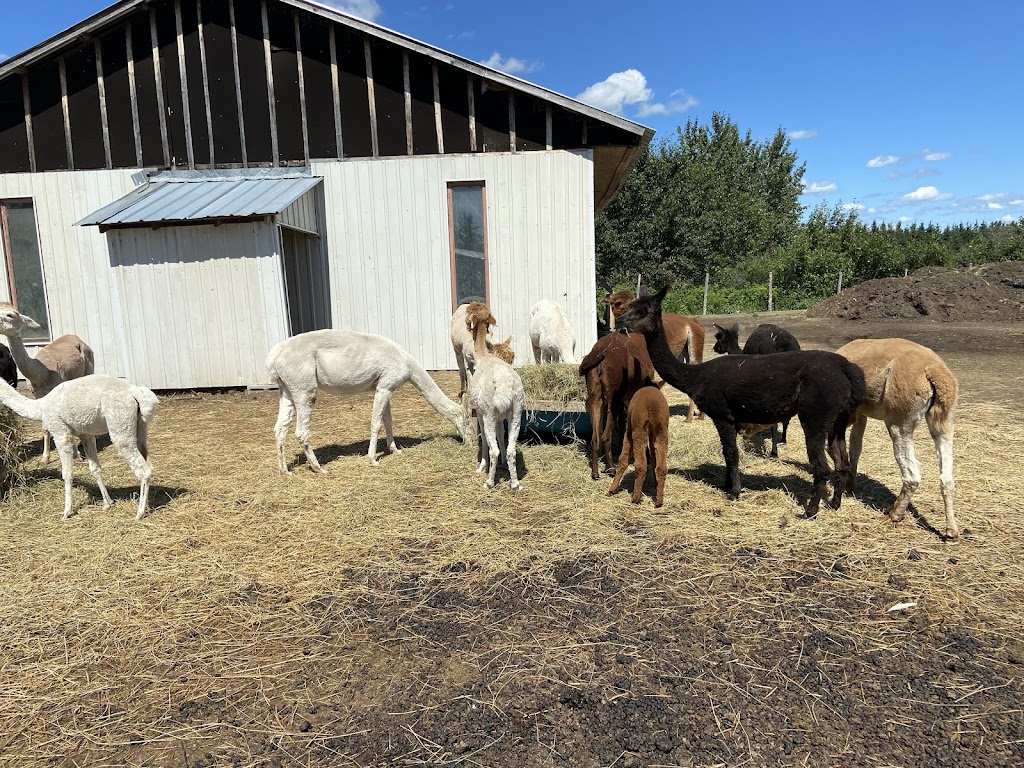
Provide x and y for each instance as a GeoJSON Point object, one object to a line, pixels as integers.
{"type": "Point", "coordinates": [147, 403]}
{"type": "Point", "coordinates": [944, 386]}
{"type": "Point", "coordinates": [858, 388]}
{"type": "Point", "coordinates": [271, 362]}
{"type": "Point", "coordinates": [89, 357]}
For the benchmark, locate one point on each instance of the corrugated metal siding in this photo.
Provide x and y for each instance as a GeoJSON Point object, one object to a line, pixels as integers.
{"type": "Point", "coordinates": [209, 298]}
{"type": "Point", "coordinates": [302, 214]}
{"type": "Point", "coordinates": [81, 292]}
{"type": "Point", "coordinates": [386, 224]}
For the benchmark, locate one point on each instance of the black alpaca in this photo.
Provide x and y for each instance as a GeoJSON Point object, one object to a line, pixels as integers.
{"type": "Point", "coordinates": [8, 368]}
{"type": "Point", "coordinates": [822, 388]}
{"type": "Point", "coordinates": [767, 339]}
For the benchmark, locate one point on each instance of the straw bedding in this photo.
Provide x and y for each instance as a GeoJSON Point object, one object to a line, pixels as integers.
{"type": "Point", "coordinates": [404, 615]}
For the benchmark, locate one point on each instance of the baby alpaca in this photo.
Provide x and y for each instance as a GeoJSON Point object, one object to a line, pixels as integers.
{"type": "Point", "coordinates": [647, 437]}
{"type": "Point", "coordinates": [84, 408]}
{"type": "Point", "coordinates": [551, 334]}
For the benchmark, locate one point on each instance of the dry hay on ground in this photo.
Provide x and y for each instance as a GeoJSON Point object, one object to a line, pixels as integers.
{"type": "Point", "coordinates": [553, 382]}
{"type": "Point", "coordinates": [991, 292]}
{"type": "Point", "coordinates": [403, 615]}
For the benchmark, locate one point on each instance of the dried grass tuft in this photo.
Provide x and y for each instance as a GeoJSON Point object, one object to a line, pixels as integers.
{"type": "Point", "coordinates": [554, 382]}
{"type": "Point", "coordinates": [12, 452]}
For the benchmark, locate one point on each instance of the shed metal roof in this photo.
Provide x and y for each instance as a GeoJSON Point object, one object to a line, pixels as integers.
{"type": "Point", "coordinates": [201, 199]}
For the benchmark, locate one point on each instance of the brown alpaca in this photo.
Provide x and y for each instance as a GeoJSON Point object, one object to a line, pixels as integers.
{"type": "Point", "coordinates": [685, 335]}
{"type": "Point", "coordinates": [647, 438]}
{"type": "Point", "coordinates": [906, 382]}
{"type": "Point", "coordinates": [616, 367]}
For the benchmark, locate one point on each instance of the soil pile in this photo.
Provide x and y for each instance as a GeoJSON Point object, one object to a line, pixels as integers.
{"type": "Point", "coordinates": [990, 292]}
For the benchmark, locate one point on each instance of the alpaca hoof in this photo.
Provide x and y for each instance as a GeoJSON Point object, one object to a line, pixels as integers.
{"type": "Point", "coordinates": [515, 486]}
{"type": "Point", "coordinates": [489, 484]}
{"type": "Point", "coordinates": [635, 500]}
{"type": "Point", "coordinates": [658, 503]}
{"type": "Point", "coordinates": [895, 516]}
{"type": "Point", "coordinates": [107, 505]}
{"type": "Point", "coordinates": [952, 535]}
{"type": "Point", "coordinates": [396, 451]}
{"type": "Point", "coordinates": [319, 470]}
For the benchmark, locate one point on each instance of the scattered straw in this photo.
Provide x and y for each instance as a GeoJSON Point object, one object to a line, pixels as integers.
{"type": "Point", "coordinates": [553, 382]}
{"type": "Point", "coordinates": [12, 453]}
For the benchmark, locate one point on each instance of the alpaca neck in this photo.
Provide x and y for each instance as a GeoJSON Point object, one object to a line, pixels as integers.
{"type": "Point", "coordinates": [34, 371]}
{"type": "Point", "coordinates": [433, 394]}
{"type": "Point", "coordinates": [480, 349]}
{"type": "Point", "coordinates": [669, 367]}
{"type": "Point", "coordinates": [21, 405]}
{"type": "Point", "coordinates": [732, 347]}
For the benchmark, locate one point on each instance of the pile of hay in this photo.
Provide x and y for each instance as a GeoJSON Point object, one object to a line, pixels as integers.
{"type": "Point", "coordinates": [12, 454]}
{"type": "Point", "coordinates": [554, 382]}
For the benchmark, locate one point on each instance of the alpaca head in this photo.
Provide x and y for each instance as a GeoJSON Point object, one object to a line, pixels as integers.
{"type": "Point", "coordinates": [504, 351]}
{"type": "Point", "coordinates": [618, 303]}
{"type": "Point", "coordinates": [644, 314]}
{"type": "Point", "coordinates": [726, 338]}
{"type": "Point", "coordinates": [12, 321]}
{"type": "Point", "coordinates": [477, 314]}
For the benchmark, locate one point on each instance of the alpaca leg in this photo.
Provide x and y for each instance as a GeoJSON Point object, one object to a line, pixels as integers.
{"type": "Point", "coordinates": [775, 441]}
{"type": "Point", "coordinates": [46, 447]}
{"type": "Point", "coordinates": [815, 439]}
{"type": "Point", "coordinates": [381, 400]}
{"type": "Point", "coordinates": [481, 441]}
{"type": "Point", "coordinates": [65, 445]}
{"type": "Point", "coordinates": [856, 445]}
{"type": "Point", "coordinates": [903, 448]}
{"type": "Point", "coordinates": [128, 449]}
{"type": "Point", "coordinates": [659, 450]}
{"type": "Point", "coordinates": [595, 409]}
{"type": "Point", "coordinates": [91, 455]}
{"type": "Point", "coordinates": [841, 461]}
{"type": "Point", "coordinates": [304, 403]}
{"type": "Point", "coordinates": [785, 432]}
{"type": "Point", "coordinates": [492, 451]}
{"type": "Point", "coordinates": [499, 430]}
{"type": "Point", "coordinates": [942, 435]}
{"type": "Point", "coordinates": [463, 377]}
{"type": "Point", "coordinates": [389, 429]}
{"type": "Point", "coordinates": [285, 414]}
{"type": "Point", "coordinates": [640, 446]}
{"type": "Point", "coordinates": [627, 449]}
{"type": "Point", "coordinates": [510, 452]}
{"type": "Point", "coordinates": [727, 435]}
{"type": "Point", "coordinates": [536, 354]}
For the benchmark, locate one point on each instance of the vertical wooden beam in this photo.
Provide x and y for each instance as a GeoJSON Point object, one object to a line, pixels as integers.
{"type": "Point", "coordinates": [372, 96]}
{"type": "Point", "coordinates": [512, 120]}
{"type": "Point", "coordinates": [471, 95]}
{"type": "Point", "coordinates": [302, 87]}
{"type": "Point", "coordinates": [548, 132]}
{"type": "Point", "coordinates": [238, 81]}
{"type": "Point", "coordinates": [155, 41]}
{"type": "Point", "coordinates": [584, 137]}
{"type": "Point", "coordinates": [186, 108]}
{"type": "Point", "coordinates": [67, 114]}
{"type": "Point", "coordinates": [27, 101]}
{"type": "Point", "coordinates": [101, 87]}
{"type": "Point", "coordinates": [408, 102]}
{"type": "Point", "coordinates": [206, 80]}
{"type": "Point", "coordinates": [133, 93]}
{"type": "Point", "coordinates": [336, 92]}
{"type": "Point", "coordinates": [269, 63]}
{"type": "Point", "coordinates": [437, 107]}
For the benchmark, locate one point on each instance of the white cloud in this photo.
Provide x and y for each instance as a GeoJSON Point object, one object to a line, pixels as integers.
{"type": "Point", "coordinates": [1008, 219]}
{"type": "Point", "coordinates": [678, 101]}
{"type": "Point", "coordinates": [1017, 202]}
{"type": "Point", "coordinates": [629, 88]}
{"type": "Point", "coordinates": [929, 155]}
{"type": "Point", "coordinates": [882, 161]}
{"type": "Point", "coordinates": [924, 194]}
{"type": "Point", "coordinates": [802, 134]}
{"type": "Point", "coordinates": [4, 57]}
{"type": "Point", "coordinates": [364, 9]}
{"type": "Point", "coordinates": [995, 207]}
{"type": "Point", "coordinates": [820, 187]}
{"type": "Point", "coordinates": [852, 206]}
{"type": "Point", "coordinates": [922, 173]}
{"type": "Point", "coordinates": [511, 65]}
{"type": "Point", "coordinates": [905, 219]}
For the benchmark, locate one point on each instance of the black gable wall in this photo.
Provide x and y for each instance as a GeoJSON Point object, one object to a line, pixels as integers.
{"type": "Point", "coordinates": [306, 88]}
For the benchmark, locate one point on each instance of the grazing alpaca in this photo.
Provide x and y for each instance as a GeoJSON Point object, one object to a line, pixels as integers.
{"type": "Point", "coordinates": [822, 388]}
{"type": "Point", "coordinates": [462, 343]}
{"type": "Point", "coordinates": [616, 367]}
{"type": "Point", "coordinates": [685, 334]}
{"type": "Point", "coordinates": [647, 437]}
{"type": "Point", "coordinates": [766, 339]}
{"type": "Point", "coordinates": [61, 360]}
{"type": "Point", "coordinates": [84, 408]}
{"type": "Point", "coordinates": [906, 381]}
{"type": "Point", "coordinates": [496, 391]}
{"type": "Point", "coordinates": [551, 334]}
{"type": "Point", "coordinates": [8, 368]}
{"type": "Point", "coordinates": [344, 363]}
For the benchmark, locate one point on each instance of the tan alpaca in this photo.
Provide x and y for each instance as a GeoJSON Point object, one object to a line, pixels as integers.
{"type": "Point", "coordinates": [496, 391]}
{"type": "Point", "coordinates": [61, 360]}
{"type": "Point", "coordinates": [463, 343]}
{"type": "Point", "coordinates": [647, 438]}
{"type": "Point", "coordinates": [907, 382]}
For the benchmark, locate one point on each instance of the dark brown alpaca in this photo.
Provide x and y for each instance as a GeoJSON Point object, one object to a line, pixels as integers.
{"type": "Point", "coordinates": [822, 388]}
{"type": "Point", "coordinates": [647, 438]}
{"type": "Point", "coordinates": [616, 367]}
{"type": "Point", "coordinates": [685, 334]}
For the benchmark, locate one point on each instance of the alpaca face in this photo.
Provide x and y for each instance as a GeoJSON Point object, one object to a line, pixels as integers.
{"type": "Point", "coordinates": [726, 338]}
{"type": "Point", "coordinates": [644, 314]}
{"type": "Point", "coordinates": [12, 321]}
{"type": "Point", "coordinates": [504, 351]}
{"type": "Point", "coordinates": [619, 303]}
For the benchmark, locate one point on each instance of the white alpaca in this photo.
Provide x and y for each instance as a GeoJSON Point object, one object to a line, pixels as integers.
{"type": "Point", "coordinates": [344, 363]}
{"type": "Point", "coordinates": [496, 391]}
{"type": "Point", "coordinates": [61, 360]}
{"type": "Point", "coordinates": [84, 408]}
{"type": "Point", "coordinates": [551, 334]}
{"type": "Point", "coordinates": [462, 343]}
{"type": "Point", "coordinates": [907, 382]}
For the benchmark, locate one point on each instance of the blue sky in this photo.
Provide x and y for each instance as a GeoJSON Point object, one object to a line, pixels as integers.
{"type": "Point", "coordinates": [909, 110]}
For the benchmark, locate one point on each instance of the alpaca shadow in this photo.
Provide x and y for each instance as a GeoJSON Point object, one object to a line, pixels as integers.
{"type": "Point", "coordinates": [34, 448]}
{"type": "Point", "coordinates": [503, 475]}
{"type": "Point", "coordinates": [327, 454]}
{"type": "Point", "coordinates": [159, 495]}
{"type": "Point", "coordinates": [680, 409]}
{"type": "Point", "coordinates": [880, 497]}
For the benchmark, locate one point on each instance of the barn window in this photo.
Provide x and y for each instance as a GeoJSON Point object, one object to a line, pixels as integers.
{"type": "Point", "coordinates": [19, 241]}
{"type": "Point", "coordinates": [467, 233]}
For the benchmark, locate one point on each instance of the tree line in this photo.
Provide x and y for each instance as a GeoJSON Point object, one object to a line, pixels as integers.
{"type": "Point", "coordinates": [713, 199]}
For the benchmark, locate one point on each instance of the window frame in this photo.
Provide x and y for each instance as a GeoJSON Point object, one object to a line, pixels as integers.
{"type": "Point", "coordinates": [451, 237]}
{"type": "Point", "coordinates": [12, 284]}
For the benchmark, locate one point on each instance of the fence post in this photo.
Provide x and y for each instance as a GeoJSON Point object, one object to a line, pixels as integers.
{"type": "Point", "coordinates": [906, 271]}
{"type": "Point", "coordinates": [706, 278]}
{"type": "Point", "coordinates": [840, 288]}
{"type": "Point", "coordinates": [770, 276]}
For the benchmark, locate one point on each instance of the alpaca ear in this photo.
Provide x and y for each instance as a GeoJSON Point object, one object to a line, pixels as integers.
{"type": "Point", "coordinates": [660, 295]}
{"type": "Point", "coordinates": [507, 341]}
{"type": "Point", "coordinates": [720, 328]}
{"type": "Point", "coordinates": [736, 328]}
{"type": "Point", "coordinates": [27, 321]}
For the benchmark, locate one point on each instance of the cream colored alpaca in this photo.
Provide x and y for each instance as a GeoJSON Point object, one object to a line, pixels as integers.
{"type": "Point", "coordinates": [84, 408]}
{"type": "Point", "coordinates": [496, 391]}
{"type": "Point", "coordinates": [344, 363]}
{"type": "Point", "coordinates": [551, 334]}
{"type": "Point", "coordinates": [907, 382]}
{"type": "Point", "coordinates": [61, 360]}
{"type": "Point", "coordinates": [463, 343]}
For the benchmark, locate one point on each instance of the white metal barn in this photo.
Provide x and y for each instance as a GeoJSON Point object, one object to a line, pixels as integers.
{"type": "Point", "coordinates": [184, 183]}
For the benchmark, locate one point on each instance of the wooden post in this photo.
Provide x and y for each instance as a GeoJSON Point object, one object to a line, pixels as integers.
{"type": "Point", "coordinates": [840, 288]}
{"type": "Point", "coordinates": [268, 62]}
{"type": "Point", "coordinates": [472, 112]}
{"type": "Point", "coordinates": [101, 86]}
{"type": "Point", "coordinates": [771, 275]}
{"type": "Point", "coordinates": [336, 91]}
{"type": "Point", "coordinates": [183, 80]}
{"type": "Point", "coordinates": [707, 278]}
{"type": "Point", "coordinates": [27, 102]}
{"type": "Point", "coordinates": [906, 271]}
{"type": "Point", "coordinates": [161, 104]}
{"type": "Point", "coordinates": [67, 113]}
{"type": "Point", "coordinates": [238, 82]}
{"type": "Point", "coordinates": [639, 279]}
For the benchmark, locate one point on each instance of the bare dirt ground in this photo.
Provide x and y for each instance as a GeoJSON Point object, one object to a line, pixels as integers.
{"type": "Point", "coordinates": [402, 615]}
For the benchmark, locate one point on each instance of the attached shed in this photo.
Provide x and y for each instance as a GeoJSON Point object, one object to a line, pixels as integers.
{"type": "Point", "coordinates": [175, 132]}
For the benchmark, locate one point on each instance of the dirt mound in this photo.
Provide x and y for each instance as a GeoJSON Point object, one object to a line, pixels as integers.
{"type": "Point", "coordinates": [991, 292]}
